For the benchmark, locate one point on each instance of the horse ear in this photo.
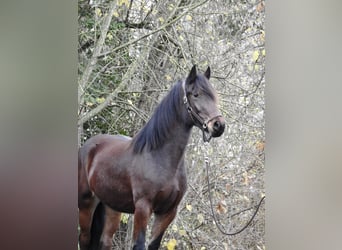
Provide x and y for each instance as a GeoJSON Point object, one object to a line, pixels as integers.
{"type": "Point", "coordinates": [192, 75]}
{"type": "Point", "coordinates": [207, 73]}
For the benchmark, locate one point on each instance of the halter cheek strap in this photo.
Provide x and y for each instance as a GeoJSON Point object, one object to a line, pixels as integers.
{"type": "Point", "coordinates": [196, 117]}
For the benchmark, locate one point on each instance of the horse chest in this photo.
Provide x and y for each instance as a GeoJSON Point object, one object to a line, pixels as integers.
{"type": "Point", "coordinates": [166, 198]}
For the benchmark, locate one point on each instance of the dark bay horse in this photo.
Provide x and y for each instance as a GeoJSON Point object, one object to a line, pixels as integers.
{"type": "Point", "coordinates": [144, 174]}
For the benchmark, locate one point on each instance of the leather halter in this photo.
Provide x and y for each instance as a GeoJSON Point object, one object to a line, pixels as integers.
{"type": "Point", "coordinates": [196, 117]}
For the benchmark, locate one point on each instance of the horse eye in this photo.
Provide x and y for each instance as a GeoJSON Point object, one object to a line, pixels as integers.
{"type": "Point", "coordinates": [196, 95]}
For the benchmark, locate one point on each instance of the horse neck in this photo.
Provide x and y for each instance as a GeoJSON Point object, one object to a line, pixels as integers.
{"type": "Point", "coordinates": [178, 127]}
{"type": "Point", "coordinates": [178, 138]}
{"type": "Point", "coordinates": [172, 151]}
{"type": "Point", "coordinates": [168, 128]}
{"type": "Point", "coordinates": [179, 132]}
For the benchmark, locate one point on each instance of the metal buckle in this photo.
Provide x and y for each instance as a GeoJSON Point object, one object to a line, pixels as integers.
{"type": "Point", "coordinates": [185, 100]}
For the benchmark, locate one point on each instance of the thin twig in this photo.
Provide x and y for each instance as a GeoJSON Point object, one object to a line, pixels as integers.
{"type": "Point", "coordinates": [168, 23]}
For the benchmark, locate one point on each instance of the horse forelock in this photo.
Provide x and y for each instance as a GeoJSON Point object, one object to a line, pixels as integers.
{"type": "Point", "coordinates": [159, 127]}
{"type": "Point", "coordinates": [203, 83]}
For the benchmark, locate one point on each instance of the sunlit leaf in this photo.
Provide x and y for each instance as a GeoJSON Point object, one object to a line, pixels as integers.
{"type": "Point", "coordinates": [100, 100]}
{"type": "Point", "coordinates": [245, 198]}
{"type": "Point", "coordinates": [170, 245]}
{"type": "Point", "coordinates": [189, 207]}
{"type": "Point", "coordinates": [171, 7]}
{"type": "Point", "coordinates": [124, 218]}
{"type": "Point", "coordinates": [98, 12]}
{"type": "Point", "coordinates": [261, 6]}
{"type": "Point", "coordinates": [221, 207]}
{"type": "Point", "coordinates": [255, 55]}
{"type": "Point", "coordinates": [200, 218]}
{"type": "Point", "coordinates": [182, 232]}
{"type": "Point", "coordinates": [123, 2]}
{"type": "Point", "coordinates": [262, 35]}
{"type": "Point", "coordinates": [260, 145]}
{"type": "Point", "coordinates": [110, 36]}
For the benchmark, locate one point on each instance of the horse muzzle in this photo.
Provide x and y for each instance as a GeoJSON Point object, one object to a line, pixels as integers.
{"type": "Point", "coordinates": [216, 126]}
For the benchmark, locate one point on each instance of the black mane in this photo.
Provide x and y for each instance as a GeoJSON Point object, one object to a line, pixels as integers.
{"type": "Point", "coordinates": [158, 128]}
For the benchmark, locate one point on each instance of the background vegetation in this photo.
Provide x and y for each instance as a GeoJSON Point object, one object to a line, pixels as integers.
{"type": "Point", "coordinates": [132, 51]}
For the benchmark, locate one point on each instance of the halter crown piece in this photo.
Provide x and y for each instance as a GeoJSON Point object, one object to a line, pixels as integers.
{"type": "Point", "coordinates": [196, 117]}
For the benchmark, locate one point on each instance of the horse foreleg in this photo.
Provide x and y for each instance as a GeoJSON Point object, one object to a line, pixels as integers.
{"type": "Point", "coordinates": [112, 222]}
{"type": "Point", "coordinates": [142, 214]}
{"type": "Point", "coordinates": [161, 222]}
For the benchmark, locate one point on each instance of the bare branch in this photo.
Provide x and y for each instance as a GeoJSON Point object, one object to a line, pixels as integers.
{"type": "Point", "coordinates": [92, 62]}
{"type": "Point", "coordinates": [110, 97]}
{"type": "Point", "coordinates": [169, 22]}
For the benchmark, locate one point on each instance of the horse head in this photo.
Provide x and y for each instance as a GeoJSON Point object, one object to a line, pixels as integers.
{"type": "Point", "coordinates": [201, 102]}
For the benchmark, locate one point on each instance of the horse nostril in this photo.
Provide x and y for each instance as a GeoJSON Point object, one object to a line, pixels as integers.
{"type": "Point", "coordinates": [218, 128]}
{"type": "Point", "coordinates": [217, 125]}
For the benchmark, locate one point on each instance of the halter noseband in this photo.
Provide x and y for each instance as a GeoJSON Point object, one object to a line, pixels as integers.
{"type": "Point", "coordinates": [193, 114]}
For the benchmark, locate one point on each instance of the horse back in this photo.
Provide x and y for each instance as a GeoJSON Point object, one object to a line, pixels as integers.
{"type": "Point", "coordinates": [102, 147]}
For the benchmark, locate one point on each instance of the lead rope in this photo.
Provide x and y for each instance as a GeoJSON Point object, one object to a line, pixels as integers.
{"type": "Point", "coordinates": [218, 224]}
